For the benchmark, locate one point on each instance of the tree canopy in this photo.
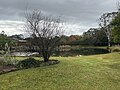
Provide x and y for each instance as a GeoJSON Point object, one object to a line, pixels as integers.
{"type": "Point", "coordinates": [116, 28]}
{"type": "Point", "coordinates": [5, 39]}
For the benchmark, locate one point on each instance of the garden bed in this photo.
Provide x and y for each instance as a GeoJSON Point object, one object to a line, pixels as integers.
{"type": "Point", "coordinates": [7, 68]}
{"type": "Point", "coordinates": [25, 64]}
{"type": "Point", "coordinates": [31, 63]}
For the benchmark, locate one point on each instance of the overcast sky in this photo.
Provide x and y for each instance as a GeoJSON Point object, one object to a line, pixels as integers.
{"type": "Point", "coordinates": [79, 15]}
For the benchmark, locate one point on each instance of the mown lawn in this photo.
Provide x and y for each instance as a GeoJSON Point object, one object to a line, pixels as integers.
{"type": "Point", "coordinates": [98, 72]}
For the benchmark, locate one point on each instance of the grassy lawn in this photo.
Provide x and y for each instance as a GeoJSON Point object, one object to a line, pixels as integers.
{"type": "Point", "coordinates": [98, 72]}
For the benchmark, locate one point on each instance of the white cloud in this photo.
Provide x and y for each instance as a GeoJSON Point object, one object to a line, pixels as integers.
{"type": "Point", "coordinates": [80, 15]}
{"type": "Point", "coordinates": [17, 27]}
{"type": "Point", "coordinates": [11, 27]}
{"type": "Point", "coordinates": [78, 28]}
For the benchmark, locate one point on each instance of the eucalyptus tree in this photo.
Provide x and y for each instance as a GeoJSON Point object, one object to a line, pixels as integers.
{"type": "Point", "coordinates": [104, 23]}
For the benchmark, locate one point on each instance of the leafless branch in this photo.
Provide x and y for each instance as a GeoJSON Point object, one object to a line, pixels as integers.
{"type": "Point", "coordinates": [46, 30]}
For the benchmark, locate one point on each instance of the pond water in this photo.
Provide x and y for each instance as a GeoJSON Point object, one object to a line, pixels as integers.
{"type": "Point", "coordinates": [80, 51]}
{"type": "Point", "coordinates": [24, 53]}
{"type": "Point", "coordinates": [83, 51]}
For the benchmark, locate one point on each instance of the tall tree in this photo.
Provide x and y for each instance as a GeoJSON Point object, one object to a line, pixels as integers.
{"type": "Point", "coordinates": [46, 31]}
{"type": "Point", "coordinates": [116, 28]}
{"type": "Point", "coordinates": [94, 36]}
{"type": "Point", "coordinates": [104, 23]}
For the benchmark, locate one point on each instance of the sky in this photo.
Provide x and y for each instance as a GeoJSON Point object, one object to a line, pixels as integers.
{"type": "Point", "coordinates": [78, 15]}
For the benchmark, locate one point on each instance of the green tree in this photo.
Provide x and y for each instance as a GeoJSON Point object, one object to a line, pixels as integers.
{"type": "Point", "coordinates": [116, 28]}
{"type": "Point", "coordinates": [94, 36]}
{"type": "Point", "coordinates": [104, 23]}
{"type": "Point", "coordinates": [64, 40]}
{"type": "Point", "coordinates": [5, 39]}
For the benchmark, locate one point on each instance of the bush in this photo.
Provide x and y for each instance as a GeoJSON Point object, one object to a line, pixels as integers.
{"type": "Point", "coordinates": [116, 50]}
{"type": "Point", "coordinates": [28, 63]}
{"type": "Point", "coordinates": [2, 63]}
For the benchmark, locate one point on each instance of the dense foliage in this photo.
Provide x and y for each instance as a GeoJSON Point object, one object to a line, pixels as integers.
{"type": "Point", "coordinates": [32, 63]}
{"type": "Point", "coordinates": [5, 39]}
{"type": "Point", "coordinates": [116, 28]}
{"type": "Point", "coordinates": [28, 63]}
{"type": "Point", "coordinates": [93, 37]}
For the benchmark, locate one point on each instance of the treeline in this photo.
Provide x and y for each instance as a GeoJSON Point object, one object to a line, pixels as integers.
{"type": "Point", "coordinates": [93, 37]}
{"type": "Point", "coordinates": [107, 34]}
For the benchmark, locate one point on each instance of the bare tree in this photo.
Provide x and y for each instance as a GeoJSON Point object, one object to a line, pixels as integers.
{"type": "Point", "coordinates": [104, 23]}
{"type": "Point", "coordinates": [45, 30]}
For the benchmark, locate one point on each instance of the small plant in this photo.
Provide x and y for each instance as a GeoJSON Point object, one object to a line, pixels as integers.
{"type": "Point", "coordinates": [7, 55]}
{"type": "Point", "coordinates": [116, 50]}
{"type": "Point", "coordinates": [28, 63]}
{"type": "Point", "coordinates": [2, 62]}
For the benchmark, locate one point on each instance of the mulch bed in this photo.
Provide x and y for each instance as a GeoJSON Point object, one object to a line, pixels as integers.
{"type": "Point", "coordinates": [7, 68]}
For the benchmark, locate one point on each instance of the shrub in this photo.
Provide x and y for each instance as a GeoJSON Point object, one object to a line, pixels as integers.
{"type": "Point", "coordinates": [116, 50]}
{"type": "Point", "coordinates": [2, 62]}
{"type": "Point", "coordinates": [28, 63]}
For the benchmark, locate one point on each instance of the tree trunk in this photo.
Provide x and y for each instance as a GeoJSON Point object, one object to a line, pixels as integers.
{"type": "Point", "coordinates": [46, 59]}
{"type": "Point", "coordinates": [45, 56]}
{"type": "Point", "coordinates": [109, 44]}
{"type": "Point", "coordinates": [109, 40]}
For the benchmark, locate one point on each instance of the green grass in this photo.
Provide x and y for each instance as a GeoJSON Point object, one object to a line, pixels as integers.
{"type": "Point", "coordinates": [98, 72]}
